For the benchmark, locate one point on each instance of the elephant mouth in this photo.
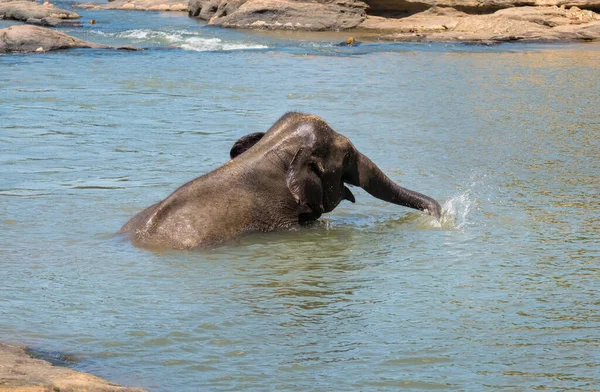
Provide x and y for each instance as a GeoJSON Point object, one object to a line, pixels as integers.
{"type": "Point", "coordinates": [345, 194]}
{"type": "Point", "coordinates": [348, 195]}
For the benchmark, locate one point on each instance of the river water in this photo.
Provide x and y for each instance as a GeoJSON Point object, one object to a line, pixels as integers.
{"type": "Point", "coordinates": [502, 295]}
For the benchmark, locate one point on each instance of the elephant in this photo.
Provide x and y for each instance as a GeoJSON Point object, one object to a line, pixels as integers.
{"type": "Point", "coordinates": [285, 177]}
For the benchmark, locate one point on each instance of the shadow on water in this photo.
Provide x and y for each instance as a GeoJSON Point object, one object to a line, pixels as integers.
{"type": "Point", "coordinates": [56, 358]}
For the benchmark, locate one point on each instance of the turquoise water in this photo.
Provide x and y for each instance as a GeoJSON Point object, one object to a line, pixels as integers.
{"type": "Point", "coordinates": [502, 295]}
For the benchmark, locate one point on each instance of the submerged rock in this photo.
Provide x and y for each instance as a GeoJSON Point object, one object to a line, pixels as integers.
{"type": "Point", "coordinates": [26, 38]}
{"type": "Point", "coordinates": [34, 13]}
{"type": "Point", "coordinates": [138, 5]}
{"type": "Point", "coordinates": [21, 372]}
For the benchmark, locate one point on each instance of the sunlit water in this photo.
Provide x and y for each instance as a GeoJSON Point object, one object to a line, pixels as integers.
{"type": "Point", "coordinates": [502, 294]}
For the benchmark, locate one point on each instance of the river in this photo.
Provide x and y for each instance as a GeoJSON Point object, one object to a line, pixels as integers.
{"type": "Point", "coordinates": [502, 295]}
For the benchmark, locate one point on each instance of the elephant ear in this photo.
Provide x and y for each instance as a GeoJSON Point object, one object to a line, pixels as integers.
{"type": "Point", "coordinates": [304, 183]}
{"type": "Point", "coordinates": [244, 143]}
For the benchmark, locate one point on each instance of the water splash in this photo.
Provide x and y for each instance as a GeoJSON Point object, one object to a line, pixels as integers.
{"type": "Point", "coordinates": [456, 210]}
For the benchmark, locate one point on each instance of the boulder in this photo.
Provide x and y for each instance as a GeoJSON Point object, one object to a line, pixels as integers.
{"type": "Point", "coordinates": [26, 38]}
{"type": "Point", "coordinates": [280, 14]}
{"type": "Point", "coordinates": [21, 373]}
{"type": "Point", "coordinates": [138, 5]}
{"type": "Point", "coordinates": [34, 13]}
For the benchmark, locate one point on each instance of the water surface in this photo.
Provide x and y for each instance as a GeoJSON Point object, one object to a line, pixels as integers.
{"type": "Point", "coordinates": [502, 295]}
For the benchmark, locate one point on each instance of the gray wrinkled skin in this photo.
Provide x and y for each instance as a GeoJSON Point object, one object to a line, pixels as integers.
{"type": "Point", "coordinates": [290, 175]}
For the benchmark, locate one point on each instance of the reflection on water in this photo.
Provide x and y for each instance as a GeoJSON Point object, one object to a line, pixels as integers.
{"type": "Point", "coordinates": [502, 292]}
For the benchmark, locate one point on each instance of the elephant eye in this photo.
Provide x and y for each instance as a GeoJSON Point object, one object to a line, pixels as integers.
{"type": "Point", "coordinates": [317, 168]}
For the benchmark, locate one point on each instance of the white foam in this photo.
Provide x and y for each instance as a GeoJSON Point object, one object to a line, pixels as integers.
{"type": "Point", "coordinates": [135, 34]}
{"type": "Point", "coordinates": [184, 39]}
{"type": "Point", "coordinates": [215, 44]}
{"type": "Point", "coordinates": [317, 45]}
{"type": "Point", "coordinates": [100, 33]}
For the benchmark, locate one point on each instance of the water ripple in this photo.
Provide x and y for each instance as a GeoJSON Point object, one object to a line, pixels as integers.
{"type": "Point", "coordinates": [502, 292]}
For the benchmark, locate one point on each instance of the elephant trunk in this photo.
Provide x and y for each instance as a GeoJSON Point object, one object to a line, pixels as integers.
{"type": "Point", "coordinates": [374, 181]}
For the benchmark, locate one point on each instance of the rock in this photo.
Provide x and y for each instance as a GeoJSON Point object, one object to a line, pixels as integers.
{"type": "Point", "coordinates": [280, 14]}
{"type": "Point", "coordinates": [138, 5]}
{"type": "Point", "coordinates": [495, 27]}
{"type": "Point", "coordinates": [435, 19]}
{"type": "Point", "coordinates": [549, 16]}
{"type": "Point", "coordinates": [21, 373]}
{"type": "Point", "coordinates": [519, 23]}
{"type": "Point", "coordinates": [25, 38]}
{"type": "Point", "coordinates": [579, 32]}
{"type": "Point", "coordinates": [397, 7]}
{"type": "Point", "coordinates": [35, 13]}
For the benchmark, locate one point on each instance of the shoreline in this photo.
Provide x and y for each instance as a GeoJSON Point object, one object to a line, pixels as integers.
{"type": "Point", "coordinates": [440, 24]}
{"type": "Point", "coordinates": [21, 371]}
{"type": "Point", "coordinates": [525, 24]}
{"type": "Point", "coordinates": [530, 23]}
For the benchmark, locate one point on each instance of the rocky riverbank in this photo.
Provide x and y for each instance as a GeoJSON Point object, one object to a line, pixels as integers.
{"type": "Point", "coordinates": [396, 20]}
{"type": "Point", "coordinates": [19, 372]}
{"type": "Point", "coordinates": [510, 24]}
{"type": "Point", "coordinates": [406, 20]}
{"type": "Point", "coordinates": [486, 21]}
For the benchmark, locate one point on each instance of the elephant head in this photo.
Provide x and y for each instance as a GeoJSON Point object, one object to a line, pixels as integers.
{"type": "Point", "coordinates": [321, 162]}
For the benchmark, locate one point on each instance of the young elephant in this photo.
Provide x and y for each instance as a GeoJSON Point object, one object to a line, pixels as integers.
{"type": "Point", "coordinates": [289, 175]}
